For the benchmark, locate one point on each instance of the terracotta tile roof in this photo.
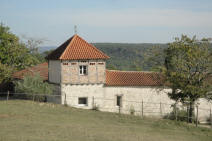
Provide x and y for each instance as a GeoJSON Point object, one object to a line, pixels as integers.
{"type": "Point", "coordinates": [132, 78]}
{"type": "Point", "coordinates": [42, 69]}
{"type": "Point", "coordinates": [76, 48]}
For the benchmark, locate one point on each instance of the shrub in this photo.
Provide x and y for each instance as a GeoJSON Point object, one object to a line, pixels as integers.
{"type": "Point", "coordinates": [182, 114]}
{"type": "Point", "coordinates": [33, 87]}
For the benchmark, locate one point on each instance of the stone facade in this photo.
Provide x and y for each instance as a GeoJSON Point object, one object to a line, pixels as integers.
{"type": "Point", "coordinates": [105, 98]}
{"type": "Point", "coordinates": [95, 72]}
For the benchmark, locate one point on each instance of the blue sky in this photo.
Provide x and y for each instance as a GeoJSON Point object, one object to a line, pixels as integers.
{"type": "Point", "coordinates": [127, 21]}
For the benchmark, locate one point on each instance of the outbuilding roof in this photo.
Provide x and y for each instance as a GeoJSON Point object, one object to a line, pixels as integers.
{"type": "Point", "coordinates": [76, 48]}
{"type": "Point", "coordinates": [41, 69]}
{"type": "Point", "coordinates": [132, 78]}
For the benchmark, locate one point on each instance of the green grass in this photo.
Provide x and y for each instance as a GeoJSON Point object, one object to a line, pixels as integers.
{"type": "Point", "coordinates": [31, 121]}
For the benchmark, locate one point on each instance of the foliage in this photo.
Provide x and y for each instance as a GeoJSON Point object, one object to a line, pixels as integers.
{"type": "Point", "coordinates": [132, 57]}
{"type": "Point", "coordinates": [155, 57]}
{"type": "Point", "coordinates": [188, 70]}
{"type": "Point", "coordinates": [14, 55]}
{"type": "Point", "coordinates": [33, 85]}
{"type": "Point", "coordinates": [32, 45]}
{"type": "Point", "coordinates": [5, 72]}
{"type": "Point", "coordinates": [182, 114]}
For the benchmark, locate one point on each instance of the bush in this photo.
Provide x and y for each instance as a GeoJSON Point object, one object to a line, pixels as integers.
{"type": "Point", "coordinates": [33, 88]}
{"type": "Point", "coordinates": [182, 114]}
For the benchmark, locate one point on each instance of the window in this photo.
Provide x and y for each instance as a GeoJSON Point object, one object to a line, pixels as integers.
{"type": "Point", "coordinates": [73, 63]}
{"type": "Point", "coordinates": [65, 63]}
{"type": "Point", "coordinates": [101, 63]}
{"type": "Point", "coordinates": [83, 101]}
{"type": "Point", "coordinates": [92, 63]}
{"type": "Point", "coordinates": [83, 70]}
{"type": "Point", "coordinates": [118, 101]}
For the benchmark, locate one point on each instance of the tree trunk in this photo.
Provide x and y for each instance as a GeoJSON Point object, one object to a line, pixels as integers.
{"type": "Point", "coordinates": [191, 109]}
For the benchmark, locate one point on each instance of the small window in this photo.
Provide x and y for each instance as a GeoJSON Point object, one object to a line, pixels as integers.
{"type": "Point", "coordinates": [65, 63]}
{"type": "Point", "coordinates": [119, 101]}
{"type": "Point", "coordinates": [92, 63]}
{"type": "Point", "coordinates": [83, 101]}
{"type": "Point", "coordinates": [73, 63]}
{"type": "Point", "coordinates": [83, 70]}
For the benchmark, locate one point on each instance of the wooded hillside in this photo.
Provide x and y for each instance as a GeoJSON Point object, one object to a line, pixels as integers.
{"type": "Point", "coordinates": [126, 56]}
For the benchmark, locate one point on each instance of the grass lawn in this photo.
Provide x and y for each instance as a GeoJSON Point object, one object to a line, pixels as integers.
{"type": "Point", "coordinates": [30, 121]}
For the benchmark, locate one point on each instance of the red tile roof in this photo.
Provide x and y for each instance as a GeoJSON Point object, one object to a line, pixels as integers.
{"type": "Point", "coordinates": [132, 78]}
{"type": "Point", "coordinates": [76, 48]}
{"type": "Point", "coordinates": [42, 69]}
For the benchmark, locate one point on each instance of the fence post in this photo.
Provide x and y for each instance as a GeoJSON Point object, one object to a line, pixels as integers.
{"type": "Point", "coordinates": [93, 102]}
{"type": "Point", "coordinates": [197, 116]}
{"type": "Point", "coordinates": [8, 94]}
{"type": "Point", "coordinates": [142, 109]}
{"type": "Point", "coordinates": [33, 97]}
{"type": "Point", "coordinates": [175, 111]}
{"type": "Point", "coordinates": [187, 113]}
{"type": "Point", "coordinates": [210, 117]}
{"type": "Point", "coordinates": [119, 109]}
{"type": "Point", "coordinates": [65, 100]}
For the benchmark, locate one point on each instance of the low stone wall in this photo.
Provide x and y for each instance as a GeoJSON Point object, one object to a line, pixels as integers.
{"type": "Point", "coordinates": [146, 101]}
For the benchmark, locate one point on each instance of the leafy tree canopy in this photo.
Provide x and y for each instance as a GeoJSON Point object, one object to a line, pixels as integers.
{"type": "Point", "coordinates": [188, 69]}
{"type": "Point", "coordinates": [14, 54]}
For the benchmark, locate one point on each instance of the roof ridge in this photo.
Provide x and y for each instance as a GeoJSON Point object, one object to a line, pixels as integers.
{"type": "Point", "coordinates": [132, 71]}
{"type": "Point", "coordinates": [94, 47]}
{"type": "Point", "coordinates": [72, 40]}
{"type": "Point", "coordinates": [76, 48]}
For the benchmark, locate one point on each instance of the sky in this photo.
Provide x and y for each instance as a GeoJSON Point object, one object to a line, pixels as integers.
{"type": "Point", "coordinates": [118, 21]}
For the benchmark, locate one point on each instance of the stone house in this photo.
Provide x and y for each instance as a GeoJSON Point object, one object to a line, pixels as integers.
{"type": "Point", "coordinates": [78, 71]}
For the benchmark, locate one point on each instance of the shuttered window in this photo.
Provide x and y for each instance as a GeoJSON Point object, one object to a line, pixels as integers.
{"type": "Point", "coordinates": [83, 70]}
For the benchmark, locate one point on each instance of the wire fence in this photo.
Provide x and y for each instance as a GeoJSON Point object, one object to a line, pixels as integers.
{"type": "Point", "coordinates": [174, 111]}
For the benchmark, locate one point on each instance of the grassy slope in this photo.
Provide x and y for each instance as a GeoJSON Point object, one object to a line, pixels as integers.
{"type": "Point", "coordinates": [29, 121]}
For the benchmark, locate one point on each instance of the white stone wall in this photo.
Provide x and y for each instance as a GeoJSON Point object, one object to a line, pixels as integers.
{"type": "Point", "coordinates": [105, 98]}
{"type": "Point", "coordinates": [204, 107]}
{"type": "Point", "coordinates": [155, 102]}
{"type": "Point", "coordinates": [71, 93]}
{"type": "Point", "coordinates": [54, 71]}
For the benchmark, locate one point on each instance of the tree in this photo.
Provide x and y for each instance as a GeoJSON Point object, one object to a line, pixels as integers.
{"type": "Point", "coordinates": [33, 84]}
{"type": "Point", "coordinates": [188, 70]}
{"type": "Point", "coordinates": [154, 58]}
{"type": "Point", "coordinates": [32, 44]}
{"type": "Point", "coordinates": [14, 55]}
{"type": "Point", "coordinates": [111, 67]}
